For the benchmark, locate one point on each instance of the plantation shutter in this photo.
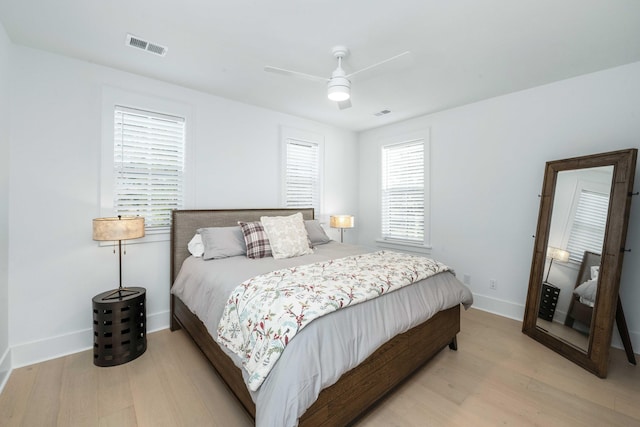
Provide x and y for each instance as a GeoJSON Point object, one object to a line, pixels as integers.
{"type": "Point", "coordinates": [403, 191]}
{"type": "Point", "coordinates": [148, 165]}
{"type": "Point", "coordinates": [589, 224]}
{"type": "Point", "coordinates": [302, 180]}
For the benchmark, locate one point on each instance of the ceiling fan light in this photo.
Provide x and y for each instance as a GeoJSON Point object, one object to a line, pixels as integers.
{"type": "Point", "coordinates": [339, 93]}
{"type": "Point", "coordinates": [339, 89]}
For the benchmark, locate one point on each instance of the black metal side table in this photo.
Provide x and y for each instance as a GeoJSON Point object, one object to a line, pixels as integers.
{"type": "Point", "coordinates": [119, 326]}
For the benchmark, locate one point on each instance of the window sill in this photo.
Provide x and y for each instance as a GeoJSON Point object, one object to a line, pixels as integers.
{"type": "Point", "coordinates": [150, 237]}
{"type": "Point", "coordinates": [406, 246]}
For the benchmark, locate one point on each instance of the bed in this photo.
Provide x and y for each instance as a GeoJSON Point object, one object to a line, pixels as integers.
{"type": "Point", "coordinates": [337, 404]}
{"type": "Point", "coordinates": [584, 293]}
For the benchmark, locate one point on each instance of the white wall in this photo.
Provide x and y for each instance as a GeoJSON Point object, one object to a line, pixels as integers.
{"type": "Point", "coordinates": [487, 163]}
{"type": "Point", "coordinates": [55, 267]}
{"type": "Point", "coordinates": [5, 359]}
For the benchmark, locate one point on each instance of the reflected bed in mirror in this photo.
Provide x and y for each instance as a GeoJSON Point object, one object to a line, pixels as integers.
{"type": "Point", "coordinates": [573, 300]}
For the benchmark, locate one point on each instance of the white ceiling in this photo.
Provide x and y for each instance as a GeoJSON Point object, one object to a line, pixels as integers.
{"type": "Point", "coordinates": [462, 50]}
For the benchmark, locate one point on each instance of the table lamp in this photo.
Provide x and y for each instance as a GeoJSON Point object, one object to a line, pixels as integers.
{"type": "Point", "coordinates": [555, 254]}
{"type": "Point", "coordinates": [341, 222]}
{"type": "Point", "coordinates": [118, 228]}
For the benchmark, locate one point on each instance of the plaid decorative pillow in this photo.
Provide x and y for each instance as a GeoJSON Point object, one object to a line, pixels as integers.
{"type": "Point", "coordinates": [256, 239]}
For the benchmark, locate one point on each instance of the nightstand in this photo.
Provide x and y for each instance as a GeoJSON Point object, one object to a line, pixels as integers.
{"type": "Point", "coordinates": [548, 301]}
{"type": "Point", "coordinates": [119, 327]}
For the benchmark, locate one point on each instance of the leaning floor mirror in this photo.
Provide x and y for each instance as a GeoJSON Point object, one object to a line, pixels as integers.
{"type": "Point", "coordinates": [572, 302]}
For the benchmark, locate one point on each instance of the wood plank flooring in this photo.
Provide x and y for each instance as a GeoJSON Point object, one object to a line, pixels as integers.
{"type": "Point", "coordinates": [498, 376]}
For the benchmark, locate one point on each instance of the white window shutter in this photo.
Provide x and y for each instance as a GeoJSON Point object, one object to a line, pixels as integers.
{"type": "Point", "coordinates": [149, 158]}
{"type": "Point", "coordinates": [302, 175]}
{"type": "Point", "coordinates": [403, 192]}
{"type": "Point", "coordinates": [589, 224]}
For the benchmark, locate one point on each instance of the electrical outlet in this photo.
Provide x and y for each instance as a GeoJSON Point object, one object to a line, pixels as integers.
{"type": "Point", "coordinates": [493, 284]}
{"type": "Point", "coordinates": [466, 279]}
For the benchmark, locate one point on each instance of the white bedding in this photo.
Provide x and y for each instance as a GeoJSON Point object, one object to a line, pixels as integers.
{"type": "Point", "coordinates": [587, 292]}
{"type": "Point", "coordinates": [327, 347]}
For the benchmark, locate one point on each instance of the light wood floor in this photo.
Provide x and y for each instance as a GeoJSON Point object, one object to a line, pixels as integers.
{"type": "Point", "coordinates": [498, 376]}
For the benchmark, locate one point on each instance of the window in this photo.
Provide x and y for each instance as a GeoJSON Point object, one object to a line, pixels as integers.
{"type": "Point", "coordinates": [403, 192]}
{"type": "Point", "coordinates": [302, 174]}
{"type": "Point", "coordinates": [589, 224]}
{"type": "Point", "coordinates": [148, 165]}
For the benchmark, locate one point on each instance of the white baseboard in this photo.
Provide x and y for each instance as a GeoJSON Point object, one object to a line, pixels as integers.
{"type": "Point", "coordinates": [516, 312]}
{"type": "Point", "coordinates": [50, 348]}
{"type": "Point", "coordinates": [500, 307]}
{"type": "Point", "coordinates": [62, 345]}
{"type": "Point", "coordinates": [5, 368]}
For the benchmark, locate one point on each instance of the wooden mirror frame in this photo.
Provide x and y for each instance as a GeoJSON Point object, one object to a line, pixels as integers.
{"type": "Point", "coordinates": [596, 358]}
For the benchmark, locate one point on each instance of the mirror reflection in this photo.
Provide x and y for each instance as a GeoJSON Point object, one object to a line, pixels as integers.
{"type": "Point", "coordinates": [576, 236]}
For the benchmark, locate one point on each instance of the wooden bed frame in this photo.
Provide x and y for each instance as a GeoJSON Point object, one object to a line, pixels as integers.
{"type": "Point", "coordinates": [338, 404]}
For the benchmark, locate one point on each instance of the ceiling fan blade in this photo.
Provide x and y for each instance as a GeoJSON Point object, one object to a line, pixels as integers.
{"type": "Point", "coordinates": [298, 74]}
{"type": "Point", "coordinates": [401, 58]}
{"type": "Point", "coordinates": [344, 104]}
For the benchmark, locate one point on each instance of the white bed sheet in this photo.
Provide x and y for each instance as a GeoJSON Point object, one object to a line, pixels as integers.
{"type": "Point", "coordinates": [327, 347]}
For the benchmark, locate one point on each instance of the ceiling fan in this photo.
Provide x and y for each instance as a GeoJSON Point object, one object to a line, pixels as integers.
{"type": "Point", "coordinates": [339, 84]}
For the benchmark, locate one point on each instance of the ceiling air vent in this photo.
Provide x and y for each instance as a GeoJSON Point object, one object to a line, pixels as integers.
{"type": "Point", "coordinates": [138, 43]}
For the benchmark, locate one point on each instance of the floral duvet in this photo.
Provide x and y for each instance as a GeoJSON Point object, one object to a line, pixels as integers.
{"type": "Point", "coordinates": [265, 312]}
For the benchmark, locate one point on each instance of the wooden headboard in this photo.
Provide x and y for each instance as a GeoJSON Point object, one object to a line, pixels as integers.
{"type": "Point", "coordinates": [186, 222]}
{"type": "Point", "coordinates": [588, 260]}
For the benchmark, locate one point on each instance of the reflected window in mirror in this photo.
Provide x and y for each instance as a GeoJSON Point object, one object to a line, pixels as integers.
{"type": "Point", "coordinates": [590, 205]}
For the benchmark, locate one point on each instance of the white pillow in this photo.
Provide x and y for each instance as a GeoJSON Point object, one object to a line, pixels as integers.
{"type": "Point", "coordinates": [587, 290]}
{"type": "Point", "coordinates": [195, 246]}
{"type": "Point", "coordinates": [287, 235]}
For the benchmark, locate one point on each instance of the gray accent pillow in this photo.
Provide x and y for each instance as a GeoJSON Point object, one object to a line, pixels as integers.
{"type": "Point", "coordinates": [222, 242]}
{"type": "Point", "coordinates": [317, 235]}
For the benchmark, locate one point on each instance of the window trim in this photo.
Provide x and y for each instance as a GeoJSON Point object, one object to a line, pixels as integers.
{"type": "Point", "coordinates": [425, 245]}
{"type": "Point", "coordinates": [112, 98]}
{"type": "Point", "coordinates": [287, 134]}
